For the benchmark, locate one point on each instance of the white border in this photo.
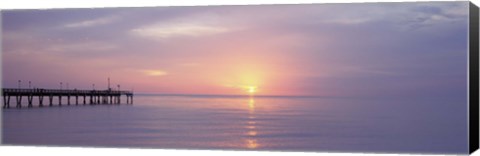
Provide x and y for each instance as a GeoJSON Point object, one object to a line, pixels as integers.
{"type": "Point", "coordinates": [53, 151]}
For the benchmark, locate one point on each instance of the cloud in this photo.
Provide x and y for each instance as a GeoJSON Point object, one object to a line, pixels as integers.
{"type": "Point", "coordinates": [92, 22]}
{"type": "Point", "coordinates": [151, 72]}
{"type": "Point", "coordinates": [81, 47]}
{"type": "Point", "coordinates": [189, 64]}
{"type": "Point", "coordinates": [197, 25]}
{"type": "Point", "coordinates": [177, 30]}
{"type": "Point", "coordinates": [347, 21]}
{"type": "Point", "coordinates": [30, 43]}
{"type": "Point", "coordinates": [428, 15]}
{"type": "Point", "coordinates": [407, 16]}
{"type": "Point", "coordinates": [355, 70]}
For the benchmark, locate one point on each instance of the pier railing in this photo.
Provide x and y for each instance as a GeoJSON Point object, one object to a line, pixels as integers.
{"type": "Point", "coordinates": [12, 91]}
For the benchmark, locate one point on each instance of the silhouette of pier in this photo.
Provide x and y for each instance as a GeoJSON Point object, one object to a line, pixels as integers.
{"type": "Point", "coordinates": [91, 97]}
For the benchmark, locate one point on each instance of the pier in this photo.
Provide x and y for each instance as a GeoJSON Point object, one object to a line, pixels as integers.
{"type": "Point", "coordinates": [90, 97]}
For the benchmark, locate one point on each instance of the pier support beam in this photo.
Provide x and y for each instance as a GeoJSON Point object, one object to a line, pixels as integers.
{"type": "Point", "coordinates": [51, 100]}
{"type": "Point", "coordinates": [131, 99]}
{"type": "Point", "coordinates": [91, 100]}
{"type": "Point", "coordinates": [6, 101]}
{"type": "Point", "coordinates": [19, 101]}
{"type": "Point", "coordinates": [40, 101]}
{"type": "Point", "coordinates": [68, 99]}
{"type": "Point", "coordinates": [59, 100]}
{"type": "Point", "coordinates": [30, 99]}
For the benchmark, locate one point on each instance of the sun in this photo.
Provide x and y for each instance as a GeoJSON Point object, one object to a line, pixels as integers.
{"type": "Point", "coordinates": [251, 89]}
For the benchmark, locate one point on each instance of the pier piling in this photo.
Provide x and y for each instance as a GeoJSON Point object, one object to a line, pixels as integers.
{"type": "Point", "coordinates": [40, 100]}
{"type": "Point", "coordinates": [19, 101]}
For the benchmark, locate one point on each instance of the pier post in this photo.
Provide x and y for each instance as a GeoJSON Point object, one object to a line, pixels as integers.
{"type": "Point", "coordinates": [40, 100]}
{"type": "Point", "coordinates": [98, 100]}
{"type": "Point", "coordinates": [68, 99]}
{"type": "Point", "coordinates": [131, 99]}
{"type": "Point", "coordinates": [59, 100]}
{"type": "Point", "coordinates": [50, 97]}
{"type": "Point", "coordinates": [6, 101]}
{"type": "Point", "coordinates": [91, 99]}
{"type": "Point", "coordinates": [19, 101]}
{"type": "Point", "coordinates": [30, 99]}
{"type": "Point", "coordinates": [76, 99]}
{"type": "Point", "coordinates": [84, 103]}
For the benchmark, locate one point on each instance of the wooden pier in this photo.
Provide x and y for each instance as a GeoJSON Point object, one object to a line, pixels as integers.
{"type": "Point", "coordinates": [91, 97]}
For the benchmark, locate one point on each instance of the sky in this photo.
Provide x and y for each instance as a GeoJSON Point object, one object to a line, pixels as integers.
{"type": "Point", "coordinates": [348, 50]}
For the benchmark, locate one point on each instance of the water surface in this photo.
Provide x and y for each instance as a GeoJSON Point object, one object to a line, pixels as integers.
{"type": "Point", "coordinates": [248, 123]}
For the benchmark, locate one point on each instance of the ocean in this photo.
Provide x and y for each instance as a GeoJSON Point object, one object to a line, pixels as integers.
{"type": "Point", "coordinates": [248, 123]}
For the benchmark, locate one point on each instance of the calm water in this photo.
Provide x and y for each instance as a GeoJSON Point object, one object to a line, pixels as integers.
{"type": "Point", "coordinates": [260, 123]}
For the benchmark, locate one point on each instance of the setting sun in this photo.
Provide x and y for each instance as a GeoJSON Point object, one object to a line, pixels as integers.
{"type": "Point", "coordinates": [252, 89]}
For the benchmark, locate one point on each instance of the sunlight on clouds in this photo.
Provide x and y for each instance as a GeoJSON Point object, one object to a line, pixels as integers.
{"type": "Point", "coordinates": [176, 30]}
{"type": "Point", "coordinates": [154, 72]}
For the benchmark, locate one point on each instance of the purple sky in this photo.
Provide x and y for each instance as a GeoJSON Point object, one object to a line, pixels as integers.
{"type": "Point", "coordinates": [376, 49]}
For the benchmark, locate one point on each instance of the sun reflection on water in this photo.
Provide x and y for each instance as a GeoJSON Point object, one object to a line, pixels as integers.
{"type": "Point", "coordinates": [251, 141]}
{"type": "Point", "coordinates": [251, 122]}
{"type": "Point", "coordinates": [252, 133]}
{"type": "Point", "coordinates": [251, 106]}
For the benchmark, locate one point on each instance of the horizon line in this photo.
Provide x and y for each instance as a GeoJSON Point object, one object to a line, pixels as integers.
{"type": "Point", "coordinates": [234, 95]}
